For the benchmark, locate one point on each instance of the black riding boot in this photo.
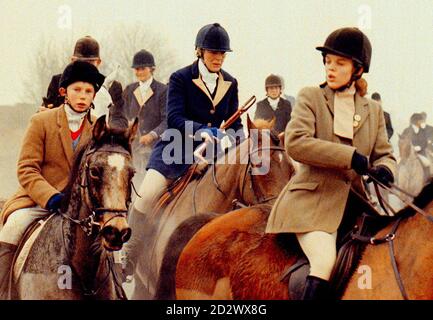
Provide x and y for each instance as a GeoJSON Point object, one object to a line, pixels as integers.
{"type": "Point", "coordinates": [316, 289]}
{"type": "Point", "coordinates": [7, 252]}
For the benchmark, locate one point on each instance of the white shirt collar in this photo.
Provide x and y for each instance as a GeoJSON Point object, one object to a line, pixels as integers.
{"type": "Point", "coordinates": [146, 84]}
{"type": "Point", "coordinates": [74, 118]}
{"type": "Point", "coordinates": [274, 102]}
{"type": "Point", "coordinates": [209, 78]}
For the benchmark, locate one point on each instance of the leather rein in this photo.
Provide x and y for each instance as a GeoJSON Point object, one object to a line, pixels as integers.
{"type": "Point", "coordinates": [391, 236]}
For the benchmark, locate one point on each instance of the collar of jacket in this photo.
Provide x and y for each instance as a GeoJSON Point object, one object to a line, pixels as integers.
{"type": "Point", "coordinates": [221, 89]}
{"type": "Point", "coordinates": [361, 106]}
{"type": "Point", "coordinates": [149, 93]}
{"type": "Point", "coordinates": [65, 136]}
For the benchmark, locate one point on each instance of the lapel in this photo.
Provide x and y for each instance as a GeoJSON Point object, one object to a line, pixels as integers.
{"type": "Point", "coordinates": [362, 110]}
{"type": "Point", "coordinates": [269, 108]}
{"type": "Point", "coordinates": [329, 97]}
{"type": "Point", "coordinates": [221, 89]}
{"type": "Point", "coordinates": [137, 95]}
{"type": "Point", "coordinates": [65, 136]}
{"type": "Point", "coordinates": [361, 106]}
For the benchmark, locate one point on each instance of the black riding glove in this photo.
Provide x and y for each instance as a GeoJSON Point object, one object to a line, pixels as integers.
{"type": "Point", "coordinates": [359, 163]}
{"type": "Point", "coordinates": [383, 174]}
{"type": "Point", "coordinates": [115, 92]}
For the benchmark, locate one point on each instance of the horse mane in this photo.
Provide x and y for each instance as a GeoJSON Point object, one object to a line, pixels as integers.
{"type": "Point", "coordinates": [67, 191]}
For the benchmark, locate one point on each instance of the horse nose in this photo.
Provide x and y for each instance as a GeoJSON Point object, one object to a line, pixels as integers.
{"type": "Point", "coordinates": [126, 234]}
{"type": "Point", "coordinates": [115, 237]}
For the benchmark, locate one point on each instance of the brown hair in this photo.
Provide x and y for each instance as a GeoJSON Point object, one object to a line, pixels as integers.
{"type": "Point", "coordinates": [361, 86]}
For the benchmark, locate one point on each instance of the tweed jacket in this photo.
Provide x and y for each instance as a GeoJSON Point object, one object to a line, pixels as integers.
{"type": "Point", "coordinates": [45, 160]}
{"type": "Point", "coordinates": [316, 196]}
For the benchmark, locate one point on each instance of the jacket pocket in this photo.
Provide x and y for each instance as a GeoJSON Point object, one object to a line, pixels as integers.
{"type": "Point", "coordinates": [304, 186]}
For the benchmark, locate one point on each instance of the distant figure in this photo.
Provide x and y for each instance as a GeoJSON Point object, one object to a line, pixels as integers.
{"type": "Point", "coordinates": [107, 101]}
{"type": "Point", "coordinates": [145, 99]}
{"type": "Point", "coordinates": [274, 105]}
{"type": "Point", "coordinates": [417, 134]}
{"type": "Point", "coordinates": [389, 129]}
{"type": "Point", "coordinates": [428, 130]}
{"type": "Point", "coordinates": [418, 137]}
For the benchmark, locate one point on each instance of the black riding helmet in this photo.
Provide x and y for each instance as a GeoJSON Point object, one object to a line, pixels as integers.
{"type": "Point", "coordinates": [143, 58]}
{"type": "Point", "coordinates": [81, 71]}
{"type": "Point", "coordinates": [351, 43]}
{"type": "Point", "coordinates": [213, 37]}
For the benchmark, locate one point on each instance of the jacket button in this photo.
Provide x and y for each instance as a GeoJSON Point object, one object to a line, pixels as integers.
{"type": "Point", "coordinates": [212, 111]}
{"type": "Point", "coordinates": [355, 123]}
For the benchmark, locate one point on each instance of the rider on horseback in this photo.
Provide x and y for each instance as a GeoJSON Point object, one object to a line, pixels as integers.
{"type": "Point", "coordinates": [200, 96]}
{"type": "Point", "coordinates": [334, 133]}
{"type": "Point", "coordinates": [45, 159]}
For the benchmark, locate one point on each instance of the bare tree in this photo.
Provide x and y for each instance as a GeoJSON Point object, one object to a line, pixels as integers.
{"type": "Point", "coordinates": [50, 57]}
{"type": "Point", "coordinates": [118, 46]}
{"type": "Point", "coordinates": [122, 42]}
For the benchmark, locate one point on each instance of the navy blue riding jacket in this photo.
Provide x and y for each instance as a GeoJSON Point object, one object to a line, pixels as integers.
{"type": "Point", "coordinates": [189, 101]}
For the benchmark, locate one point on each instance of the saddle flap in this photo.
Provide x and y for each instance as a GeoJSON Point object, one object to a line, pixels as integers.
{"type": "Point", "coordinates": [25, 246]}
{"type": "Point", "coordinates": [296, 276]}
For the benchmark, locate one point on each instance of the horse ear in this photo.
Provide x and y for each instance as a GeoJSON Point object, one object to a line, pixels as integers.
{"type": "Point", "coordinates": [100, 128]}
{"type": "Point", "coordinates": [282, 136]}
{"type": "Point", "coordinates": [131, 133]}
{"type": "Point", "coordinates": [272, 122]}
{"type": "Point", "coordinates": [250, 124]}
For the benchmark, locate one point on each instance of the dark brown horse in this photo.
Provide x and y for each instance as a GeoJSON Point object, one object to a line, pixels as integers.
{"type": "Point", "coordinates": [72, 256]}
{"type": "Point", "coordinates": [232, 177]}
{"type": "Point", "coordinates": [232, 258]}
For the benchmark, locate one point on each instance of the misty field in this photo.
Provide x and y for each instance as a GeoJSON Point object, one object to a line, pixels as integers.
{"type": "Point", "coordinates": [13, 122]}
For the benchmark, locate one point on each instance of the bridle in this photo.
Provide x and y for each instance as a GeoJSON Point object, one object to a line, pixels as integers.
{"type": "Point", "coordinates": [89, 224]}
{"type": "Point", "coordinates": [391, 236]}
{"type": "Point", "coordinates": [261, 199]}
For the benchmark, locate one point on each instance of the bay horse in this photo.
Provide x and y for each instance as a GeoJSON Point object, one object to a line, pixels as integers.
{"type": "Point", "coordinates": [230, 179]}
{"type": "Point", "coordinates": [231, 257]}
{"type": "Point", "coordinates": [72, 256]}
{"type": "Point", "coordinates": [410, 171]}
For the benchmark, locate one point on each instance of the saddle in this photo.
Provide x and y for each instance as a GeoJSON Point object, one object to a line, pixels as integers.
{"type": "Point", "coordinates": [350, 252]}
{"type": "Point", "coordinates": [194, 172]}
{"type": "Point", "coordinates": [23, 250]}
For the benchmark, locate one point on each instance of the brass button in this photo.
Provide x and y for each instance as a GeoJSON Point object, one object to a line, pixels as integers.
{"type": "Point", "coordinates": [355, 123]}
{"type": "Point", "coordinates": [357, 117]}
{"type": "Point", "coordinates": [212, 111]}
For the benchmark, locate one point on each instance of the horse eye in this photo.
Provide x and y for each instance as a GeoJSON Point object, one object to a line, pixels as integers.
{"type": "Point", "coordinates": [95, 173]}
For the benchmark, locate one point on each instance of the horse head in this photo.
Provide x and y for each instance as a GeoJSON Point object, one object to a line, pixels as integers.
{"type": "Point", "coordinates": [269, 168]}
{"type": "Point", "coordinates": [106, 175]}
{"type": "Point", "coordinates": [405, 146]}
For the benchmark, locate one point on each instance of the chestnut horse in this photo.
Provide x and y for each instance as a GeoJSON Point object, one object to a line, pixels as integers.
{"type": "Point", "coordinates": [232, 258]}
{"type": "Point", "coordinates": [232, 177]}
{"type": "Point", "coordinates": [72, 256]}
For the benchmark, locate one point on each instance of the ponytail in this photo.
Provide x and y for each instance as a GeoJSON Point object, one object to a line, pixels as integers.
{"type": "Point", "coordinates": [361, 86]}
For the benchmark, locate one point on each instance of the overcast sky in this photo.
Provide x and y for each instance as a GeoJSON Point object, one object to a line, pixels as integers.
{"type": "Point", "coordinates": [267, 36]}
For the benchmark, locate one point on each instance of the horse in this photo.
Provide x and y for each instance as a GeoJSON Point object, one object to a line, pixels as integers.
{"type": "Point", "coordinates": [231, 257]}
{"type": "Point", "coordinates": [410, 171]}
{"type": "Point", "coordinates": [72, 256]}
{"type": "Point", "coordinates": [231, 179]}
